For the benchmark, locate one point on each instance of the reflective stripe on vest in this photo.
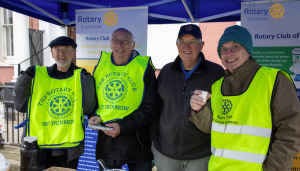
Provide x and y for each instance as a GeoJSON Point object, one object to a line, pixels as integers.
{"type": "Point", "coordinates": [238, 155]}
{"type": "Point", "coordinates": [55, 110]}
{"type": "Point", "coordinates": [242, 124]}
{"type": "Point", "coordinates": [119, 89]}
{"type": "Point", "coordinates": [241, 129]}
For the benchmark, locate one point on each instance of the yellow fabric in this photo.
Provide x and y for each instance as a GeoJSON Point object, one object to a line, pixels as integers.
{"type": "Point", "coordinates": [55, 110]}
{"type": "Point", "coordinates": [252, 108]}
{"type": "Point", "coordinates": [119, 89]}
{"type": "Point", "coordinates": [224, 164]}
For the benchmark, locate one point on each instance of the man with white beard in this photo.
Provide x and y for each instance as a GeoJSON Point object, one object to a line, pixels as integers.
{"type": "Point", "coordinates": [55, 99]}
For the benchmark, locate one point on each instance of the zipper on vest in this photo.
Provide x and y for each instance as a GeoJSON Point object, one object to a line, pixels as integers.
{"type": "Point", "coordinates": [184, 95]}
{"type": "Point", "coordinates": [138, 137]}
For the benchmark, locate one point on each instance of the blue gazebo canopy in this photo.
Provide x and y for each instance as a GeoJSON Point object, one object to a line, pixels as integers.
{"type": "Point", "coordinates": [62, 12]}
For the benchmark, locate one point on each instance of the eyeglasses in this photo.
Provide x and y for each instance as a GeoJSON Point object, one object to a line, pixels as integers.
{"type": "Point", "coordinates": [124, 41]}
{"type": "Point", "coordinates": [192, 42]}
{"type": "Point", "coordinates": [233, 48]}
{"type": "Point", "coordinates": [64, 50]}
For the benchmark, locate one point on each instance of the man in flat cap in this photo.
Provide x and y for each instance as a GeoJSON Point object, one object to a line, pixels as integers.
{"type": "Point", "coordinates": [179, 145]}
{"type": "Point", "coordinates": [55, 99]}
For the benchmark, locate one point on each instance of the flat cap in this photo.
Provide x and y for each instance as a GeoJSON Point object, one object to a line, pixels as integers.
{"type": "Point", "coordinates": [63, 41]}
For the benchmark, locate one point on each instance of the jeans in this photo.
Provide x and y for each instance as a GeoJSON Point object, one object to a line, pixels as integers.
{"type": "Point", "coordinates": [164, 163]}
{"type": "Point", "coordinates": [144, 166]}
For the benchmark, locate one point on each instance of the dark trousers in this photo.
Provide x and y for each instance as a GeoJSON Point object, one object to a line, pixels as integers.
{"type": "Point", "coordinates": [58, 161]}
{"type": "Point", "coordinates": [145, 166]}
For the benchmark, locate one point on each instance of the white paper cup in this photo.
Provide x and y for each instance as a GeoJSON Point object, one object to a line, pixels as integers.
{"type": "Point", "coordinates": [204, 95]}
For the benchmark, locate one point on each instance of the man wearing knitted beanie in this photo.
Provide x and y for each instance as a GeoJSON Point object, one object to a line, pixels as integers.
{"type": "Point", "coordinates": [252, 114]}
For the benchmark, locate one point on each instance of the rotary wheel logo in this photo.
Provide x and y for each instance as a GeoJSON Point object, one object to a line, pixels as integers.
{"type": "Point", "coordinates": [60, 105]}
{"type": "Point", "coordinates": [277, 11]}
{"type": "Point", "coordinates": [110, 18]}
{"type": "Point", "coordinates": [227, 106]}
{"type": "Point", "coordinates": [115, 90]}
{"type": "Point", "coordinates": [188, 28]}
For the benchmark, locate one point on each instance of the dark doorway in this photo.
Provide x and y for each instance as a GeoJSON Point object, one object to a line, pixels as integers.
{"type": "Point", "coordinates": [36, 45]}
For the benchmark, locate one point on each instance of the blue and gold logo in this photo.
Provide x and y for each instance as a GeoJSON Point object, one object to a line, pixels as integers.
{"type": "Point", "coordinates": [110, 18]}
{"type": "Point", "coordinates": [188, 28]}
{"type": "Point", "coordinates": [60, 105]}
{"type": "Point", "coordinates": [226, 107]}
{"type": "Point", "coordinates": [115, 90]}
{"type": "Point", "coordinates": [277, 11]}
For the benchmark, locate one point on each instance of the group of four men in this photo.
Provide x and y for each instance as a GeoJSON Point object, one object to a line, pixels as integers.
{"type": "Point", "coordinates": [249, 122]}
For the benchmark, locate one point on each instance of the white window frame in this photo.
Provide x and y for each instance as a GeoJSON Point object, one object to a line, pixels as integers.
{"type": "Point", "coordinates": [5, 28]}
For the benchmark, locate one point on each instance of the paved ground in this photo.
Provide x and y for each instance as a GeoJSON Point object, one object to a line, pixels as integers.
{"type": "Point", "coordinates": [12, 155]}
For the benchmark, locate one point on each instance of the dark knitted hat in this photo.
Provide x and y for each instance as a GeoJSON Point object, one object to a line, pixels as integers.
{"type": "Point", "coordinates": [239, 35]}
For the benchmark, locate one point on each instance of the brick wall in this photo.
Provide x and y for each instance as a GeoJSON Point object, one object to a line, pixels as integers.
{"type": "Point", "coordinates": [6, 74]}
{"type": "Point", "coordinates": [33, 23]}
{"type": "Point", "coordinates": [211, 33]}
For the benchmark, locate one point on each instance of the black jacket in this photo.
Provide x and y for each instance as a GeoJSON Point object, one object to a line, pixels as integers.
{"type": "Point", "coordinates": [133, 144]}
{"type": "Point", "coordinates": [178, 138]}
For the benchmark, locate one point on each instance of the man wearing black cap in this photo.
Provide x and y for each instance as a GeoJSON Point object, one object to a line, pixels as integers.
{"type": "Point", "coordinates": [179, 145]}
{"type": "Point", "coordinates": [55, 99]}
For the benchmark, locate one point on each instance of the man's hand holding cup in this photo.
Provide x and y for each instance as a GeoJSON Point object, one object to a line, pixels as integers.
{"type": "Point", "coordinates": [198, 99]}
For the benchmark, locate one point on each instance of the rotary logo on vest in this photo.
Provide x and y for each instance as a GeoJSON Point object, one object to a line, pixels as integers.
{"type": "Point", "coordinates": [227, 106]}
{"type": "Point", "coordinates": [60, 105]}
{"type": "Point", "coordinates": [115, 88]}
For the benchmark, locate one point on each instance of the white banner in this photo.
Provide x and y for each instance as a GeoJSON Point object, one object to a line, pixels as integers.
{"type": "Point", "coordinates": [2, 121]}
{"type": "Point", "coordinates": [275, 30]}
{"type": "Point", "coordinates": [273, 24]}
{"type": "Point", "coordinates": [94, 28]}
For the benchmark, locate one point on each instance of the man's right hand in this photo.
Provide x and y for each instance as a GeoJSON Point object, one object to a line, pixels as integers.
{"type": "Point", "coordinates": [197, 102]}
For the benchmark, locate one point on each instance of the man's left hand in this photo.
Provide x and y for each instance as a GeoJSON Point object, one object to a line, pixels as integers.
{"type": "Point", "coordinates": [114, 132]}
{"type": "Point", "coordinates": [95, 119]}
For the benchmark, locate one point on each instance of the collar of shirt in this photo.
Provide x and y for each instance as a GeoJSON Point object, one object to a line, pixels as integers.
{"type": "Point", "coordinates": [234, 84]}
{"type": "Point", "coordinates": [130, 59]}
{"type": "Point", "coordinates": [187, 75]}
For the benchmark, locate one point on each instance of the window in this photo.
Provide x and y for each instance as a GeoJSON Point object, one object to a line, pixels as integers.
{"type": "Point", "coordinates": [8, 32]}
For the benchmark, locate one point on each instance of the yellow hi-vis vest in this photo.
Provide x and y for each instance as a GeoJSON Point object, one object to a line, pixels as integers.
{"type": "Point", "coordinates": [55, 110]}
{"type": "Point", "coordinates": [120, 89]}
{"type": "Point", "coordinates": [242, 124]}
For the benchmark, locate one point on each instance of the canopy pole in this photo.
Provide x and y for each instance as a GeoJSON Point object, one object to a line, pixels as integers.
{"type": "Point", "coordinates": [219, 16]}
{"type": "Point", "coordinates": [42, 11]}
{"type": "Point", "coordinates": [167, 17]}
{"type": "Point", "coordinates": [72, 22]}
{"type": "Point", "coordinates": [188, 11]}
{"type": "Point", "coordinates": [158, 3]}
